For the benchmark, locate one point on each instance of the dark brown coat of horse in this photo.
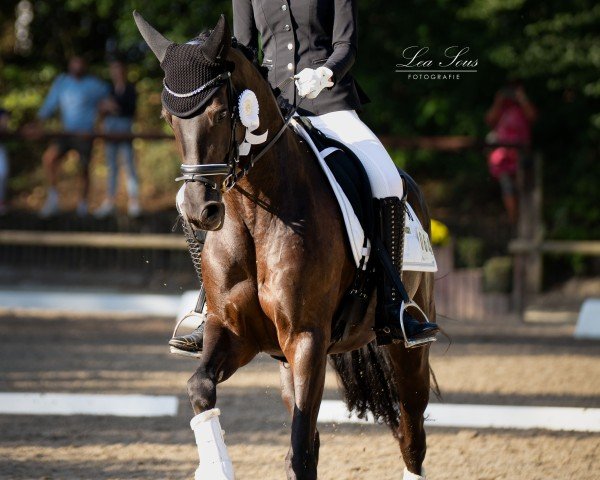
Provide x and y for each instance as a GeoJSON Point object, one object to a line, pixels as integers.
{"type": "Point", "coordinates": [275, 276]}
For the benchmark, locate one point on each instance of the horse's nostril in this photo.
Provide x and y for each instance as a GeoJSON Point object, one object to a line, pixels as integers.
{"type": "Point", "coordinates": [210, 211]}
{"type": "Point", "coordinates": [211, 216]}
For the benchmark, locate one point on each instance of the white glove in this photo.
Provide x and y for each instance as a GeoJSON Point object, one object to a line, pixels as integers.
{"type": "Point", "coordinates": [310, 82]}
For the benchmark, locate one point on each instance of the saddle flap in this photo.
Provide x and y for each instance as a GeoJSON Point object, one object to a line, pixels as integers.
{"type": "Point", "coordinates": [349, 173]}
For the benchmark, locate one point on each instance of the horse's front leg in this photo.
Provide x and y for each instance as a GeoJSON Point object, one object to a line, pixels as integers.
{"type": "Point", "coordinates": [306, 352]}
{"type": "Point", "coordinates": [223, 354]}
{"type": "Point", "coordinates": [220, 359]}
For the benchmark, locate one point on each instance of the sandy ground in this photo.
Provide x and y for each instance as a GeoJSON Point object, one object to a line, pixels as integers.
{"type": "Point", "coordinates": [487, 364]}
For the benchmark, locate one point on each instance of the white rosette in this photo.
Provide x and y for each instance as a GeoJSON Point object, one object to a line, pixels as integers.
{"type": "Point", "coordinates": [248, 110]}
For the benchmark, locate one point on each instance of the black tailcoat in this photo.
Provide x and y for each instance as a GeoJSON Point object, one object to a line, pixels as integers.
{"type": "Point", "coordinates": [298, 34]}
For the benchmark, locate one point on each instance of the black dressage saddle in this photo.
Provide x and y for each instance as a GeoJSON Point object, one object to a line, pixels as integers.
{"type": "Point", "coordinates": [349, 173]}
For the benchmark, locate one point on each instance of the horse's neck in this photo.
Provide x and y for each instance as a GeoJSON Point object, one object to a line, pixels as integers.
{"type": "Point", "coordinates": [284, 177]}
{"type": "Point", "coordinates": [281, 181]}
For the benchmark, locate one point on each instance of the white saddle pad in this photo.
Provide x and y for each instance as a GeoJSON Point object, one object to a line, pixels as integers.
{"type": "Point", "coordinates": [418, 254]}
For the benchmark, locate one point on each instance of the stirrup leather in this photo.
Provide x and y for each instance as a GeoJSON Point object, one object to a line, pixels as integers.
{"type": "Point", "coordinates": [195, 242]}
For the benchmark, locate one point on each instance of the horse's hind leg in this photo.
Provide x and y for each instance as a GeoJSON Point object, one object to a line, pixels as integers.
{"type": "Point", "coordinates": [411, 372]}
{"type": "Point", "coordinates": [289, 399]}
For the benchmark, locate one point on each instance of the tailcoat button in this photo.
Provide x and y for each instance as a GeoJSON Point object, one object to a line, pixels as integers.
{"type": "Point", "coordinates": [287, 28]}
{"type": "Point", "coordinates": [284, 7]}
{"type": "Point", "coordinates": [290, 66]}
{"type": "Point", "coordinates": [290, 46]}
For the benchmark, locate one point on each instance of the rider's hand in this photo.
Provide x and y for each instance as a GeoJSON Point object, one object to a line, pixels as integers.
{"type": "Point", "coordinates": [310, 82]}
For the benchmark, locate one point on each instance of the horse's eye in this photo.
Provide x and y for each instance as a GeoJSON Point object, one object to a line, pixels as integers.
{"type": "Point", "coordinates": [221, 116]}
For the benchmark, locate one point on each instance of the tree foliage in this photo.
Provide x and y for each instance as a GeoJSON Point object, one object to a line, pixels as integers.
{"type": "Point", "coordinates": [551, 44]}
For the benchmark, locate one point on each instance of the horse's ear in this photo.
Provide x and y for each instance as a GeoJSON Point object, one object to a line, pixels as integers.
{"type": "Point", "coordinates": [217, 45]}
{"type": "Point", "coordinates": [157, 43]}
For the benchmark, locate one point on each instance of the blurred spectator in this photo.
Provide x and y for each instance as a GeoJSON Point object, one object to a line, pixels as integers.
{"type": "Point", "coordinates": [4, 165]}
{"type": "Point", "coordinates": [510, 118]}
{"type": "Point", "coordinates": [119, 109]}
{"type": "Point", "coordinates": [77, 96]}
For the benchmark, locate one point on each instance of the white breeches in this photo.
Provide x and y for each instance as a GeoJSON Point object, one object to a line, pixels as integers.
{"type": "Point", "coordinates": [347, 127]}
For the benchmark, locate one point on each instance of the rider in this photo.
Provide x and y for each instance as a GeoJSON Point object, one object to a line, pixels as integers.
{"type": "Point", "coordinates": [316, 42]}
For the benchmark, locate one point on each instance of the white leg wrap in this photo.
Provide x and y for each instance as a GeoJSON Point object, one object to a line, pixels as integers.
{"type": "Point", "coordinates": [413, 476]}
{"type": "Point", "coordinates": [215, 463]}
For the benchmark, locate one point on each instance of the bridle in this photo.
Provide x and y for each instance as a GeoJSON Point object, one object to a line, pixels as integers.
{"type": "Point", "coordinates": [232, 169]}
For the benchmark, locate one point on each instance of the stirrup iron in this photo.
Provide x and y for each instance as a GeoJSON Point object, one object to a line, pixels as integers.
{"type": "Point", "coordinates": [418, 342]}
{"type": "Point", "coordinates": [183, 353]}
{"type": "Point", "coordinates": [199, 317]}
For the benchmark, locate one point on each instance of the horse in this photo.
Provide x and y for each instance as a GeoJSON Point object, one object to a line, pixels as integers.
{"type": "Point", "coordinates": [276, 266]}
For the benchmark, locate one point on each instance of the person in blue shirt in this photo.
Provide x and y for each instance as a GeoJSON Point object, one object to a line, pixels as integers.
{"type": "Point", "coordinates": [76, 96]}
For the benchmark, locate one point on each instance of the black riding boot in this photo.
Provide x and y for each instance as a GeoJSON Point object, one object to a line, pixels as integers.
{"type": "Point", "coordinates": [192, 343]}
{"type": "Point", "coordinates": [388, 326]}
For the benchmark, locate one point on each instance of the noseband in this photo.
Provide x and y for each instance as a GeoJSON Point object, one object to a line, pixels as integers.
{"type": "Point", "coordinates": [232, 170]}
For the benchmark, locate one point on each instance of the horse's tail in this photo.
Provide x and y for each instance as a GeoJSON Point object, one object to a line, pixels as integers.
{"type": "Point", "coordinates": [366, 377]}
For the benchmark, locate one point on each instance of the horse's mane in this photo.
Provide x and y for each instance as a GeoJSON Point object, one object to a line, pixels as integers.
{"type": "Point", "coordinates": [251, 55]}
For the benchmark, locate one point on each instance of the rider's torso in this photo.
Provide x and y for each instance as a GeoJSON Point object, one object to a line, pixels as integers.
{"type": "Point", "coordinates": [297, 35]}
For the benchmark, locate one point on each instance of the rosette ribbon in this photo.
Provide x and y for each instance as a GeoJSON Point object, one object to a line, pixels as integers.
{"type": "Point", "coordinates": [248, 111]}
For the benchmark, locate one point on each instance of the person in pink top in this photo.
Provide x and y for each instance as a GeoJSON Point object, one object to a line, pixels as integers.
{"type": "Point", "coordinates": [510, 118]}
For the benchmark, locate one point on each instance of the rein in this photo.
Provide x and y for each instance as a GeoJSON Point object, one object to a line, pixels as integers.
{"type": "Point", "coordinates": [231, 169]}
{"type": "Point", "coordinates": [256, 199]}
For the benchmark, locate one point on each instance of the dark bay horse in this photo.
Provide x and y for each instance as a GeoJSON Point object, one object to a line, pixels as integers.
{"type": "Point", "coordinates": [276, 267]}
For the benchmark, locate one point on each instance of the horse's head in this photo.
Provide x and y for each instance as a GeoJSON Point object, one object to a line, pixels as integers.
{"type": "Point", "coordinates": [203, 79]}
